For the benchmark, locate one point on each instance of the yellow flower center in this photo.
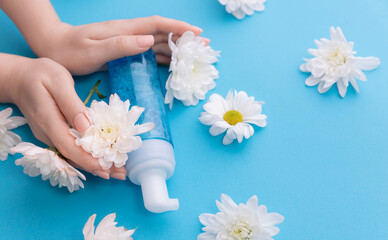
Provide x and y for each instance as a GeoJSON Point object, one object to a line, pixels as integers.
{"type": "Point", "coordinates": [241, 230]}
{"type": "Point", "coordinates": [337, 57]}
{"type": "Point", "coordinates": [109, 133]}
{"type": "Point", "coordinates": [233, 117]}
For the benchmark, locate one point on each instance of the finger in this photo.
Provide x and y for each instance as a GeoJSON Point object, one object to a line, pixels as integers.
{"type": "Point", "coordinates": [206, 40]}
{"type": "Point", "coordinates": [140, 26]}
{"type": "Point", "coordinates": [65, 144]}
{"type": "Point", "coordinates": [57, 130]}
{"type": "Point", "coordinates": [118, 173]}
{"type": "Point", "coordinates": [103, 68]}
{"type": "Point", "coordinates": [62, 90]}
{"type": "Point", "coordinates": [162, 49]}
{"type": "Point", "coordinates": [121, 46]}
{"type": "Point", "coordinates": [74, 164]}
{"type": "Point", "coordinates": [161, 38]}
{"type": "Point", "coordinates": [161, 59]}
{"type": "Point", "coordinates": [44, 138]}
{"type": "Point", "coordinates": [31, 121]}
{"type": "Point", "coordinates": [158, 24]}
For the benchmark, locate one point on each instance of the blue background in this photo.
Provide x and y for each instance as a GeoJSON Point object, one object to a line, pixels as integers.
{"type": "Point", "coordinates": [321, 161]}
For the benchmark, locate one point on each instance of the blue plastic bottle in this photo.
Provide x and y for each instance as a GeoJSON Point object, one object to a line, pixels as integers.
{"type": "Point", "coordinates": [136, 78]}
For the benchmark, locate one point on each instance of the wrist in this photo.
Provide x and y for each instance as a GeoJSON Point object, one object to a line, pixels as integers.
{"type": "Point", "coordinates": [10, 69]}
{"type": "Point", "coordinates": [34, 19]}
{"type": "Point", "coordinates": [46, 43]}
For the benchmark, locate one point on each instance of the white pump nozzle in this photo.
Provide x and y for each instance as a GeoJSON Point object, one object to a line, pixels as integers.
{"type": "Point", "coordinates": [155, 194]}
{"type": "Point", "coordinates": [150, 166]}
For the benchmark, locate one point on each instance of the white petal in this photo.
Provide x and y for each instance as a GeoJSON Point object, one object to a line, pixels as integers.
{"type": "Point", "coordinates": [6, 113]}
{"type": "Point", "coordinates": [337, 34]}
{"type": "Point", "coordinates": [312, 81]}
{"type": "Point", "coordinates": [216, 105]}
{"type": "Point", "coordinates": [209, 119]}
{"type": "Point", "coordinates": [272, 219]}
{"type": "Point", "coordinates": [359, 74]}
{"type": "Point", "coordinates": [15, 122]}
{"type": "Point", "coordinates": [89, 226]}
{"type": "Point", "coordinates": [322, 89]}
{"type": "Point", "coordinates": [354, 84]}
{"type": "Point", "coordinates": [238, 130]}
{"type": "Point", "coordinates": [134, 114]}
{"type": "Point", "coordinates": [204, 218]}
{"type": "Point", "coordinates": [205, 236]}
{"type": "Point", "coordinates": [171, 44]}
{"type": "Point", "coordinates": [217, 129]}
{"type": "Point", "coordinates": [303, 67]}
{"type": "Point", "coordinates": [253, 203]}
{"type": "Point", "coordinates": [367, 63]}
{"type": "Point", "coordinates": [140, 129]}
{"type": "Point", "coordinates": [228, 139]}
{"type": "Point", "coordinates": [342, 87]}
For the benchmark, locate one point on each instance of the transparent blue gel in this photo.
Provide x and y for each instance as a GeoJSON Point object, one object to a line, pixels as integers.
{"type": "Point", "coordinates": [136, 78]}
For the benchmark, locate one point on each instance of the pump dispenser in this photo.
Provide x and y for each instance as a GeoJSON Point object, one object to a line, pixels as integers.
{"type": "Point", "coordinates": [136, 78]}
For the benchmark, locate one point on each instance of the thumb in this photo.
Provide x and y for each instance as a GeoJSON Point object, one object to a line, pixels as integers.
{"type": "Point", "coordinates": [121, 46]}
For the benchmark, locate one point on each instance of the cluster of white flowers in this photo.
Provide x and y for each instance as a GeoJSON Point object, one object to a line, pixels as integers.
{"type": "Point", "coordinates": [106, 229]}
{"type": "Point", "coordinates": [334, 62]}
{"type": "Point", "coordinates": [233, 114]}
{"type": "Point", "coordinates": [239, 222]}
{"type": "Point", "coordinates": [241, 8]}
{"type": "Point", "coordinates": [8, 139]}
{"type": "Point", "coordinates": [113, 131]}
{"type": "Point", "coordinates": [192, 70]}
{"type": "Point", "coordinates": [40, 161]}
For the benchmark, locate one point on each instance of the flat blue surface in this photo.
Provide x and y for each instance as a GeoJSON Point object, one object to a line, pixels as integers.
{"type": "Point", "coordinates": [322, 161]}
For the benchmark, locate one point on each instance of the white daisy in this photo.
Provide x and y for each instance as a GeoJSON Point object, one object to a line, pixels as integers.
{"type": "Point", "coordinates": [334, 62]}
{"type": "Point", "coordinates": [112, 133]}
{"type": "Point", "coordinates": [8, 139]}
{"type": "Point", "coordinates": [106, 229]}
{"type": "Point", "coordinates": [39, 161]}
{"type": "Point", "coordinates": [234, 114]}
{"type": "Point", "coordinates": [239, 222]}
{"type": "Point", "coordinates": [192, 70]}
{"type": "Point", "coordinates": [241, 8]}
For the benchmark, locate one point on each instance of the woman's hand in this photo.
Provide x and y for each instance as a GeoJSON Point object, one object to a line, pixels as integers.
{"type": "Point", "coordinates": [85, 49]}
{"type": "Point", "coordinates": [44, 92]}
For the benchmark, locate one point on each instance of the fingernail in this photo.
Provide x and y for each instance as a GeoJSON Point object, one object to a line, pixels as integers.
{"type": "Point", "coordinates": [81, 122]}
{"type": "Point", "coordinates": [145, 41]}
{"type": "Point", "coordinates": [198, 30]}
{"type": "Point", "coordinates": [102, 174]}
{"type": "Point", "coordinates": [120, 176]}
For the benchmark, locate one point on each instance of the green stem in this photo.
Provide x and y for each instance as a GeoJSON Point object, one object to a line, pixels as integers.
{"type": "Point", "coordinates": [94, 90]}
{"type": "Point", "coordinates": [55, 150]}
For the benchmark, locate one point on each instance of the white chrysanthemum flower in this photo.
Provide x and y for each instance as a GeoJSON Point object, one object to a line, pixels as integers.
{"type": "Point", "coordinates": [192, 70]}
{"type": "Point", "coordinates": [106, 229]}
{"type": "Point", "coordinates": [334, 62]}
{"type": "Point", "coordinates": [239, 222]}
{"type": "Point", "coordinates": [39, 161]}
{"type": "Point", "coordinates": [8, 139]}
{"type": "Point", "coordinates": [113, 130]}
{"type": "Point", "coordinates": [241, 8]}
{"type": "Point", "coordinates": [234, 114]}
